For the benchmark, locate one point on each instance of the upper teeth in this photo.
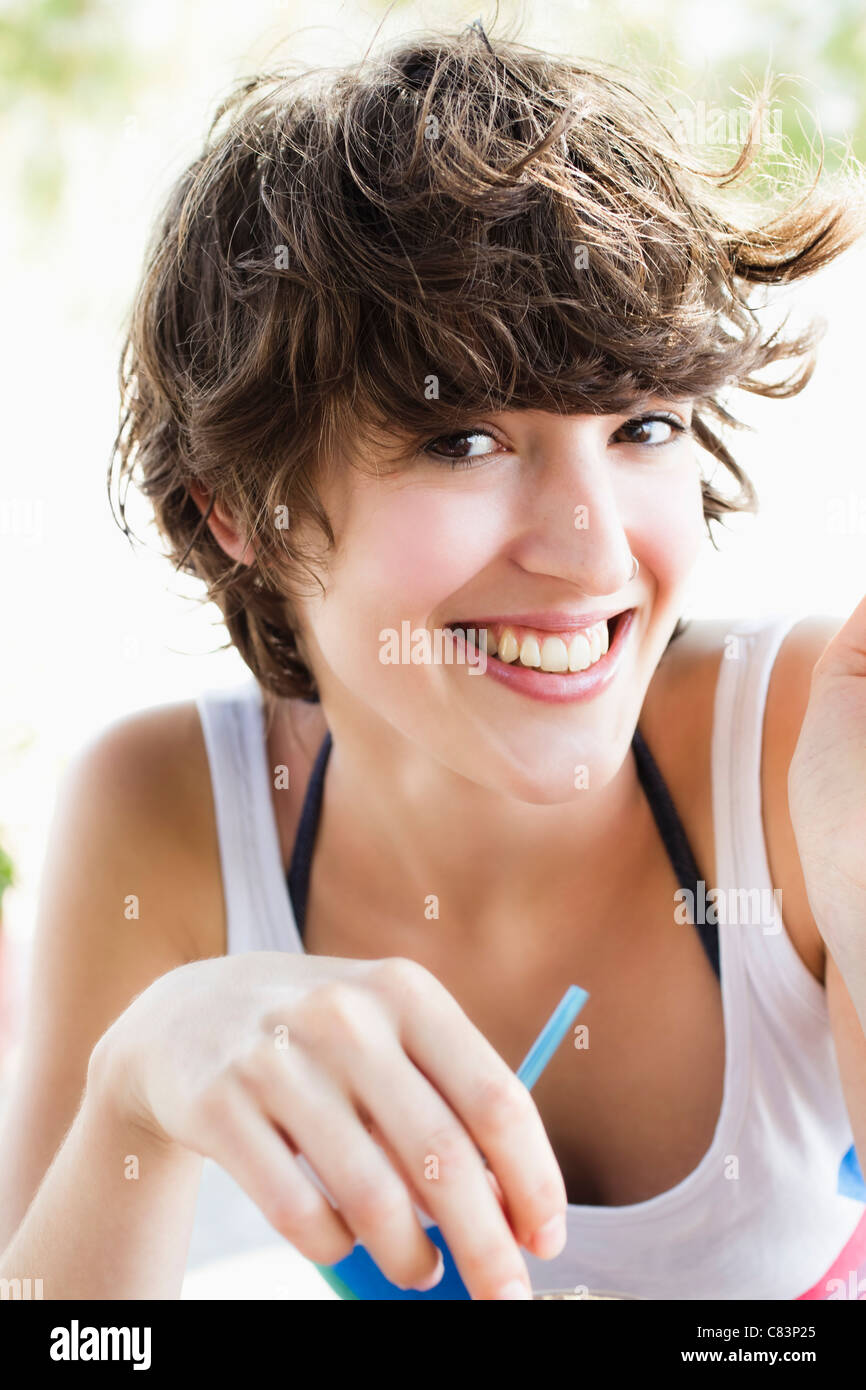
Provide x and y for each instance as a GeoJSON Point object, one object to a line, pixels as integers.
{"type": "Point", "coordinates": [570, 652]}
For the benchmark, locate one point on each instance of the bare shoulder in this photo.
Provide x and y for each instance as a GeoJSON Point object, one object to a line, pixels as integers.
{"type": "Point", "coordinates": [142, 793]}
{"type": "Point", "coordinates": [689, 665]}
{"type": "Point", "coordinates": [679, 713]}
{"type": "Point", "coordinates": [153, 767]}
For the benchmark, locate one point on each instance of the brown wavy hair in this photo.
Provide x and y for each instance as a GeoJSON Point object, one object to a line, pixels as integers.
{"type": "Point", "coordinates": [529, 231]}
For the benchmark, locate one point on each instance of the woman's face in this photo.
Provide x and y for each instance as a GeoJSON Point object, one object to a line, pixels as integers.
{"type": "Point", "coordinates": [533, 530]}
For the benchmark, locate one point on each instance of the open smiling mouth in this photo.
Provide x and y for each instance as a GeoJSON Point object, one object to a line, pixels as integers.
{"type": "Point", "coordinates": [561, 652]}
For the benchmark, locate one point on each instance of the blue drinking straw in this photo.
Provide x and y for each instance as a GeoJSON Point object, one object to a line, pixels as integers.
{"type": "Point", "coordinates": [551, 1035]}
{"type": "Point", "coordinates": [360, 1270]}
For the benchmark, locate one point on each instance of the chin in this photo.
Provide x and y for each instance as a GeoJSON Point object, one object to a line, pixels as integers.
{"type": "Point", "coordinates": [563, 771]}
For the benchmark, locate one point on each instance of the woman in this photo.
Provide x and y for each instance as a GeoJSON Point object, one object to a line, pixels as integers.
{"type": "Point", "coordinates": [430, 348]}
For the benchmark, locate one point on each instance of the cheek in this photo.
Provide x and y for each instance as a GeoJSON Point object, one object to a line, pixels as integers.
{"type": "Point", "coordinates": [419, 548]}
{"type": "Point", "coordinates": [668, 532]}
{"type": "Point", "coordinates": [400, 558]}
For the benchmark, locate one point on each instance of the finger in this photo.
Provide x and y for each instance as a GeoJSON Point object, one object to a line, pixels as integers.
{"type": "Point", "coordinates": [435, 1148]}
{"type": "Point", "coordinates": [493, 1104]}
{"type": "Point", "coordinates": [377, 1135]}
{"type": "Point", "coordinates": [244, 1142]}
{"type": "Point", "coordinates": [394, 1158]}
{"type": "Point", "coordinates": [372, 1197]}
{"type": "Point", "coordinates": [496, 1189]}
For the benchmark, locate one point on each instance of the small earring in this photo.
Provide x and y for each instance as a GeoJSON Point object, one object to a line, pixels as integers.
{"type": "Point", "coordinates": [633, 574]}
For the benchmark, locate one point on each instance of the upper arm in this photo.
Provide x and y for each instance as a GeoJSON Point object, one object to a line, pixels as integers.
{"type": "Point", "coordinates": [128, 877]}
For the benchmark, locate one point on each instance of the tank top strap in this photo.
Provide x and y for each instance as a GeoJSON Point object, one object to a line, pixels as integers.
{"type": "Point", "coordinates": [659, 798]}
{"type": "Point", "coordinates": [253, 876]}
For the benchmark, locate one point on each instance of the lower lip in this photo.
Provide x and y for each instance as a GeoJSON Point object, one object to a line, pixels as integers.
{"type": "Point", "coordinates": [560, 688]}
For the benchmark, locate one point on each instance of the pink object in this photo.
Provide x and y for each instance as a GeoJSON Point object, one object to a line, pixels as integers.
{"type": "Point", "coordinates": [847, 1274]}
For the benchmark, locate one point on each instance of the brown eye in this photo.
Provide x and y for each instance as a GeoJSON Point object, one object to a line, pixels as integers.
{"type": "Point", "coordinates": [464, 453]}
{"type": "Point", "coordinates": [653, 430]}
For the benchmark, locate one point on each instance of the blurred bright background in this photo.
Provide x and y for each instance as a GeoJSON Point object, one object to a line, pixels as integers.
{"type": "Point", "coordinates": [102, 102]}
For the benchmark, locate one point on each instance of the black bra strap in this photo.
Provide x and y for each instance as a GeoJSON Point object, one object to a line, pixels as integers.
{"type": "Point", "coordinates": [675, 841]}
{"type": "Point", "coordinates": [302, 854]}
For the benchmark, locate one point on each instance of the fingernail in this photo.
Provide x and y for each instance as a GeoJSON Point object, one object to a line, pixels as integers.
{"type": "Point", "coordinates": [516, 1289]}
{"type": "Point", "coordinates": [550, 1239]}
{"type": "Point", "coordinates": [434, 1278]}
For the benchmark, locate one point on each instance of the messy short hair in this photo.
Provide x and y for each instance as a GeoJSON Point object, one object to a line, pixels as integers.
{"type": "Point", "coordinates": [529, 231]}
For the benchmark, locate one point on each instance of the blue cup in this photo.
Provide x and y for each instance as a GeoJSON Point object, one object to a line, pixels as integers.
{"type": "Point", "coordinates": [358, 1276]}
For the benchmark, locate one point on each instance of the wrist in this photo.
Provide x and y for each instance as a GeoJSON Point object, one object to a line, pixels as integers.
{"type": "Point", "coordinates": [111, 1098]}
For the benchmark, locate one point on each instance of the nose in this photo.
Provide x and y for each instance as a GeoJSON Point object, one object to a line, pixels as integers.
{"type": "Point", "coordinates": [573, 524]}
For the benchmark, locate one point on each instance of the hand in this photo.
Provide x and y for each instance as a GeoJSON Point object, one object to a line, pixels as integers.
{"type": "Point", "coordinates": [257, 1060]}
{"type": "Point", "coordinates": [827, 790]}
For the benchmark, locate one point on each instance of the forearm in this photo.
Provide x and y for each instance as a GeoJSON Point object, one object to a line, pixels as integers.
{"type": "Point", "coordinates": [113, 1215]}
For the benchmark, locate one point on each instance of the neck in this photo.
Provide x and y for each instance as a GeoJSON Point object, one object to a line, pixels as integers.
{"type": "Point", "coordinates": [409, 828]}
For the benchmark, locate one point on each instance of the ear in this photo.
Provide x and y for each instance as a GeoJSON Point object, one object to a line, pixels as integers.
{"type": "Point", "coordinates": [222, 527]}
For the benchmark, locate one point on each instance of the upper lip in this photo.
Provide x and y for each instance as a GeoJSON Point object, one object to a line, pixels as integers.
{"type": "Point", "coordinates": [549, 620]}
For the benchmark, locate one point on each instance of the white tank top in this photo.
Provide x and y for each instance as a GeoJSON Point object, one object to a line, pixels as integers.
{"type": "Point", "coordinates": [762, 1215]}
